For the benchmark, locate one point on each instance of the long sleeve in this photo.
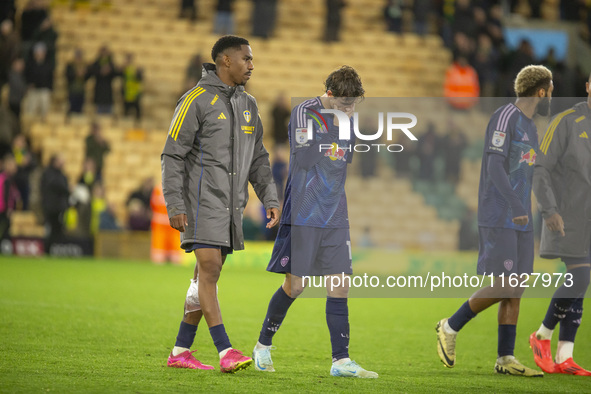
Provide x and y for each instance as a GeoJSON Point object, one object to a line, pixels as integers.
{"type": "Point", "coordinates": [180, 140]}
{"type": "Point", "coordinates": [551, 149]}
{"type": "Point", "coordinates": [260, 175]}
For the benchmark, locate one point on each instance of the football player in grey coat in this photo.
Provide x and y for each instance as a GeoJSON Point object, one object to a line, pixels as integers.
{"type": "Point", "coordinates": [213, 150]}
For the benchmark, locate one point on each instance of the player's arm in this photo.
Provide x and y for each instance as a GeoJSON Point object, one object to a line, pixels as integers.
{"type": "Point", "coordinates": [551, 149]}
{"type": "Point", "coordinates": [261, 177]}
{"type": "Point", "coordinates": [497, 149]}
{"type": "Point", "coordinates": [308, 153]}
{"type": "Point", "coordinates": [179, 142]}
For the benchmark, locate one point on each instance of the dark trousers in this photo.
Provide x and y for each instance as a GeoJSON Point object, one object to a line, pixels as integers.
{"type": "Point", "coordinates": [134, 105]}
{"type": "Point", "coordinates": [4, 226]}
{"type": "Point", "coordinates": [55, 223]}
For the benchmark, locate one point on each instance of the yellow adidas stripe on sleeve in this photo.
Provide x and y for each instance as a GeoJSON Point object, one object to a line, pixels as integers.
{"type": "Point", "coordinates": [180, 117]}
{"type": "Point", "coordinates": [580, 119]}
{"type": "Point", "coordinates": [550, 133]}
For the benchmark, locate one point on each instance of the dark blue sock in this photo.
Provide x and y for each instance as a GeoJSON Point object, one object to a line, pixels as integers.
{"type": "Point", "coordinates": [278, 306]}
{"type": "Point", "coordinates": [557, 311]}
{"type": "Point", "coordinates": [337, 318]}
{"type": "Point", "coordinates": [186, 335]}
{"type": "Point", "coordinates": [571, 322]}
{"type": "Point", "coordinates": [220, 338]}
{"type": "Point", "coordinates": [506, 346]}
{"type": "Point", "coordinates": [461, 317]}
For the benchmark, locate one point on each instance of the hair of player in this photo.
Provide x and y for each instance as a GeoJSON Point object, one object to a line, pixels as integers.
{"type": "Point", "coordinates": [344, 82]}
{"type": "Point", "coordinates": [531, 79]}
{"type": "Point", "coordinates": [226, 42]}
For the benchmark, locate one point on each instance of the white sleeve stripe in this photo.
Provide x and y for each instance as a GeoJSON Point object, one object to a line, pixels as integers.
{"type": "Point", "coordinates": [502, 117]}
{"type": "Point", "coordinates": [507, 118]}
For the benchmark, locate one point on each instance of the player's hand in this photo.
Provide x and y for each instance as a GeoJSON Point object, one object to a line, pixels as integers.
{"type": "Point", "coordinates": [179, 222]}
{"type": "Point", "coordinates": [521, 220]}
{"type": "Point", "coordinates": [555, 223]}
{"type": "Point", "coordinates": [273, 215]}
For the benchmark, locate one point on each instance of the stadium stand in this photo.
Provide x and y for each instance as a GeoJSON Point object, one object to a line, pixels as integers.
{"type": "Point", "coordinates": [289, 62]}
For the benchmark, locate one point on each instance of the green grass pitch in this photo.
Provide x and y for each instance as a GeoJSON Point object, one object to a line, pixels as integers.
{"type": "Point", "coordinates": [85, 325]}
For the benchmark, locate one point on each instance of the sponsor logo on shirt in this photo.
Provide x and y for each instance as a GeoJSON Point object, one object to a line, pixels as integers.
{"type": "Point", "coordinates": [498, 138]}
{"type": "Point", "coordinates": [529, 157]}
{"type": "Point", "coordinates": [301, 135]}
{"type": "Point", "coordinates": [335, 153]}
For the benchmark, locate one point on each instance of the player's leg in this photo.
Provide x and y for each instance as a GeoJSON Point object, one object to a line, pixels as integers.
{"type": "Point", "coordinates": [561, 304]}
{"type": "Point", "coordinates": [509, 311]}
{"type": "Point", "coordinates": [281, 262]}
{"type": "Point", "coordinates": [181, 355]}
{"type": "Point", "coordinates": [491, 258]}
{"type": "Point", "coordinates": [568, 331]}
{"type": "Point", "coordinates": [335, 260]}
{"type": "Point", "coordinates": [210, 261]}
{"type": "Point", "coordinates": [572, 320]}
{"type": "Point", "coordinates": [279, 304]}
{"type": "Point", "coordinates": [337, 320]}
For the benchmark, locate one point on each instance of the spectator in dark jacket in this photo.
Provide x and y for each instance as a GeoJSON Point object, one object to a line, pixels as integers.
{"type": "Point", "coordinates": [393, 15]}
{"type": "Point", "coordinates": [96, 148]}
{"type": "Point", "coordinates": [224, 21]}
{"type": "Point", "coordinates": [263, 18]}
{"type": "Point", "coordinates": [55, 192]}
{"type": "Point", "coordinates": [32, 17]}
{"type": "Point", "coordinates": [281, 113]}
{"type": "Point", "coordinates": [333, 19]}
{"type": "Point", "coordinates": [76, 74]}
{"type": "Point", "coordinates": [9, 49]}
{"type": "Point", "coordinates": [17, 86]}
{"type": "Point", "coordinates": [47, 35]}
{"type": "Point", "coordinates": [422, 9]}
{"type": "Point", "coordinates": [39, 75]}
{"type": "Point", "coordinates": [104, 72]}
{"type": "Point", "coordinates": [25, 162]}
{"type": "Point", "coordinates": [132, 86]}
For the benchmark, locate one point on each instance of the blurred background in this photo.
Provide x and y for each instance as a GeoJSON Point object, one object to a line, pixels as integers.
{"type": "Point", "coordinates": [88, 89]}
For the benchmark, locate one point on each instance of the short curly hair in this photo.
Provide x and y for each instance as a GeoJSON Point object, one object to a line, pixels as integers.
{"type": "Point", "coordinates": [226, 42]}
{"type": "Point", "coordinates": [530, 79]}
{"type": "Point", "coordinates": [344, 82]}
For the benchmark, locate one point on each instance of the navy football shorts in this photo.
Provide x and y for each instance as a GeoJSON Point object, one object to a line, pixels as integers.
{"type": "Point", "coordinates": [505, 251]}
{"type": "Point", "coordinates": [311, 251]}
{"type": "Point", "coordinates": [194, 246]}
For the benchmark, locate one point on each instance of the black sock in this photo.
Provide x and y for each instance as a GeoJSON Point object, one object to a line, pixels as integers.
{"type": "Point", "coordinates": [220, 338]}
{"type": "Point", "coordinates": [278, 306]}
{"type": "Point", "coordinates": [186, 335]}
{"type": "Point", "coordinates": [506, 345]}
{"type": "Point", "coordinates": [337, 319]}
{"type": "Point", "coordinates": [571, 322]}
{"type": "Point", "coordinates": [461, 317]}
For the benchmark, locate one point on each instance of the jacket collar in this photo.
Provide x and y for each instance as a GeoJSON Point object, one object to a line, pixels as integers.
{"type": "Point", "coordinates": [209, 77]}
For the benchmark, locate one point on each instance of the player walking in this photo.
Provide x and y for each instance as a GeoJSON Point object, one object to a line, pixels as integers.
{"type": "Point", "coordinates": [214, 148]}
{"type": "Point", "coordinates": [504, 218]}
{"type": "Point", "coordinates": [562, 184]}
{"type": "Point", "coordinates": [313, 237]}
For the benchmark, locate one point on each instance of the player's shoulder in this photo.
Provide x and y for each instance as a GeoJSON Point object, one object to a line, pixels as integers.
{"type": "Point", "coordinates": [306, 106]}
{"type": "Point", "coordinates": [504, 117]}
{"type": "Point", "coordinates": [576, 113]}
{"type": "Point", "coordinates": [196, 95]}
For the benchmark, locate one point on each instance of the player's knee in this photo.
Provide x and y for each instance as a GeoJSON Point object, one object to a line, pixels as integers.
{"type": "Point", "coordinates": [293, 286]}
{"type": "Point", "coordinates": [210, 272]}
